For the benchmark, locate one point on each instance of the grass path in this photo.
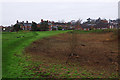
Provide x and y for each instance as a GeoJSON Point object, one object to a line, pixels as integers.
{"type": "Point", "coordinates": [13, 45]}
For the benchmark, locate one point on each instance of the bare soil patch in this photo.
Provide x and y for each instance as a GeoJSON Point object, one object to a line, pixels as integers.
{"type": "Point", "coordinates": [94, 51]}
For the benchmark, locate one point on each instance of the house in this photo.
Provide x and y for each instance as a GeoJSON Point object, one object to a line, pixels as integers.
{"type": "Point", "coordinates": [78, 27]}
{"type": "Point", "coordinates": [113, 24]}
{"type": "Point", "coordinates": [95, 24]}
{"type": "Point", "coordinates": [1, 28]}
{"type": "Point", "coordinates": [87, 27]}
{"type": "Point", "coordinates": [6, 28]}
{"type": "Point", "coordinates": [48, 22]}
{"type": "Point", "coordinates": [25, 26]}
{"type": "Point", "coordinates": [54, 28]}
{"type": "Point", "coordinates": [50, 26]}
{"type": "Point", "coordinates": [57, 25]}
{"type": "Point", "coordinates": [101, 24]}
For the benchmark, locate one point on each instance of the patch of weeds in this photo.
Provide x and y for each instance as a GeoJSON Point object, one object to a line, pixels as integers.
{"type": "Point", "coordinates": [50, 64]}
{"type": "Point", "coordinates": [40, 69]}
{"type": "Point", "coordinates": [75, 72]}
{"type": "Point", "coordinates": [68, 72]}
{"type": "Point", "coordinates": [66, 75]}
{"type": "Point", "coordinates": [37, 76]}
{"type": "Point", "coordinates": [64, 67]}
{"type": "Point", "coordinates": [40, 74]}
{"type": "Point", "coordinates": [75, 75]}
{"type": "Point", "coordinates": [40, 63]}
{"type": "Point", "coordinates": [44, 74]}
{"type": "Point", "coordinates": [78, 74]}
{"type": "Point", "coordinates": [98, 77]}
{"type": "Point", "coordinates": [89, 76]}
{"type": "Point", "coordinates": [60, 65]}
{"type": "Point", "coordinates": [101, 73]}
{"type": "Point", "coordinates": [47, 74]}
{"type": "Point", "coordinates": [29, 73]}
{"type": "Point", "coordinates": [54, 65]}
{"type": "Point", "coordinates": [33, 68]}
{"type": "Point", "coordinates": [52, 70]}
{"type": "Point", "coordinates": [82, 76]}
{"type": "Point", "coordinates": [61, 75]}
{"type": "Point", "coordinates": [114, 75]}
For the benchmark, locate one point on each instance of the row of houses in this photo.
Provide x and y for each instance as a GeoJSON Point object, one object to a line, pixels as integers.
{"type": "Point", "coordinates": [94, 24]}
{"type": "Point", "coordinates": [100, 24]}
{"type": "Point", "coordinates": [51, 24]}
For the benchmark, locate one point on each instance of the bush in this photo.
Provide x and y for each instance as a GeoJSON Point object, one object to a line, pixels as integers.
{"type": "Point", "coordinates": [59, 28]}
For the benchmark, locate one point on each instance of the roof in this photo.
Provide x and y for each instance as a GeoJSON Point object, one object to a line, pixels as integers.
{"type": "Point", "coordinates": [48, 23]}
{"type": "Point", "coordinates": [59, 23]}
{"type": "Point", "coordinates": [27, 24]}
{"type": "Point", "coordinates": [54, 26]}
{"type": "Point", "coordinates": [1, 26]}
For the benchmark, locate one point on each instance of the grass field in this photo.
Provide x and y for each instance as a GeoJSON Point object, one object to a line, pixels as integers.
{"type": "Point", "coordinates": [18, 64]}
{"type": "Point", "coordinates": [13, 45]}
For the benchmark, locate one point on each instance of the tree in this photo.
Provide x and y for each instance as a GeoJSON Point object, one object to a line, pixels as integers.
{"type": "Point", "coordinates": [16, 27]}
{"type": "Point", "coordinates": [118, 20]}
{"type": "Point", "coordinates": [88, 20]}
{"type": "Point", "coordinates": [59, 28]}
{"type": "Point", "coordinates": [102, 24]}
{"type": "Point", "coordinates": [78, 24]}
{"type": "Point", "coordinates": [34, 26]}
{"type": "Point", "coordinates": [73, 46]}
{"type": "Point", "coordinates": [61, 21]}
{"type": "Point", "coordinates": [44, 26]}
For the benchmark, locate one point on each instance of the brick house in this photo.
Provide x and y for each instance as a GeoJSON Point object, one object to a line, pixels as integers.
{"type": "Point", "coordinates": [113, 24]}
{"type": "Point", "coordinates": [49, 24]}
{"type": "Point", "coordinates": [25, 26]}
{"type": "Point", "coordinates": [101, 24]}
{"type": "Point", "coordinates": [6, 29]}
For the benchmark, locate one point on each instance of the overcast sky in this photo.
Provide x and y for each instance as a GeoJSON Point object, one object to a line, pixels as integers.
{"type": "Point", "coordinates": [67, 10]}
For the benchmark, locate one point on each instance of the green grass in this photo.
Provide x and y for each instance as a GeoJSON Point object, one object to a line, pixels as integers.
{"type": "Point", "coordinates": [16, 66]}
{"type": "Point", "coordinates": [13, 59]}
{"type": "Point", "coordinates": [95, 31]}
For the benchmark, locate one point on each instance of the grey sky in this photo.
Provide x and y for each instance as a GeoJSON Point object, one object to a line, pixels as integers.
{"type": "Point", "coordinates": [34, 11]}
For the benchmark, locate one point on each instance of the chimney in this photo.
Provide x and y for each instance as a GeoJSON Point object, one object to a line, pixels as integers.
{"type": "Point", "coordinates": [32, 21]}
{"type": "Point", "coordinates": [17, 21]}
{"type": "Point", "coordinates": [26, 21]}
{"type": "Point", "coordinates": [53, 22]}
{"type": "Point", "coordinates": [41, 20]}
{"type": "Point", "coordinates": [22, 21]}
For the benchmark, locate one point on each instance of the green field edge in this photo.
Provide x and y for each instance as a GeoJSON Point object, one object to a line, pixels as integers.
{"type": "Point", "coordinates": [13, 53]}
{"type": "Point", "coordinates": [19, 59]}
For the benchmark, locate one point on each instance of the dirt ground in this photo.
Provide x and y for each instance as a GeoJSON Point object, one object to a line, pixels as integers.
{"type": "Point", "coordinates": [93, 51]}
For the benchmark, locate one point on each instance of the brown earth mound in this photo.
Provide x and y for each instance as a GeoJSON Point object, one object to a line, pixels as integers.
{"type": "Point", "coordinates": [98, 51]}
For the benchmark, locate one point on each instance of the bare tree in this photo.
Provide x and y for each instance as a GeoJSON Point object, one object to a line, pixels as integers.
{"type": "Point", "coordinates": [72, 46]}
{"type": "Point", "coordinates": [78, 23]}
{"type": "Point", "coordinates": [61, 21]}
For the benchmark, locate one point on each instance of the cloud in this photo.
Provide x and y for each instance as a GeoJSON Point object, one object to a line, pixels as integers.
{"type": "Point", "coordinates": [34, 11]}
